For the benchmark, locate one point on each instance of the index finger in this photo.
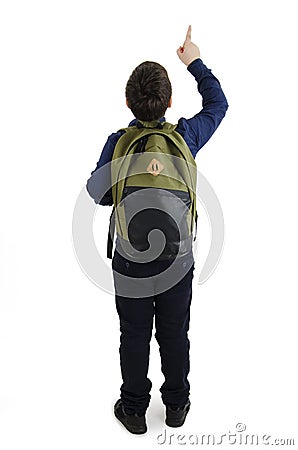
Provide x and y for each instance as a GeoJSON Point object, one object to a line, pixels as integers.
{"type": "Point", "coordinates": [188, 36]}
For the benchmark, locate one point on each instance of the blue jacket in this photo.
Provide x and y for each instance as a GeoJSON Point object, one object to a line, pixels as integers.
{"type": "Point", "coordinates": [196, 131]}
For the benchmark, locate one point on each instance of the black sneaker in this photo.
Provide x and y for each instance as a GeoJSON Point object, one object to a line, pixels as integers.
{"type": "Point", "coordinates": [175, 417]}
{"type": "Point", "coordinates": [134, 423]}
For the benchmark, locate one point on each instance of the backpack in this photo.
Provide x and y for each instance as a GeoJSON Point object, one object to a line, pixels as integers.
{"type": "Point", "coordinates": [153, 175]}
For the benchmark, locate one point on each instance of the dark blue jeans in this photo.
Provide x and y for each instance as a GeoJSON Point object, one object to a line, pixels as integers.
{"type": "Point", "coordinates": [171, 309]}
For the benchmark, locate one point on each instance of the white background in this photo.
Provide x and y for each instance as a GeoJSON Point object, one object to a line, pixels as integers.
{"type": "Point", "coordinates": [64, 66]}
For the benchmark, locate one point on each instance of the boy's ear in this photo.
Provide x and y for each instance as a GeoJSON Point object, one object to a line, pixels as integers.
{"type": "Point", "coordinates": [127, 104]}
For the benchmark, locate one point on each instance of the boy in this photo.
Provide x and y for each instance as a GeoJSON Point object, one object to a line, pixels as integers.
{"type": "Point", "coordinates": [148, 95]}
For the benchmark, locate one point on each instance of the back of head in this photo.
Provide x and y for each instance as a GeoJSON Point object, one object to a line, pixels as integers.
{"type": "Point", "coordinates": [148, 91]}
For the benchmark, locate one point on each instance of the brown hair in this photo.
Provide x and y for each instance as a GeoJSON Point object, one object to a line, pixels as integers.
{"type": "Point", "coordinates": [148, 91]}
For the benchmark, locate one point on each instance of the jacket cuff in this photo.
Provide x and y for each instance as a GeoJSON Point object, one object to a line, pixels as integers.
{"type": "Point", "coordinates": [196, 66]}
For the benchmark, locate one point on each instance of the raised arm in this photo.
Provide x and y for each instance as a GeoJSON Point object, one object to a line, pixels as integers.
{"type": "Point", "coordinates": [198, 129]}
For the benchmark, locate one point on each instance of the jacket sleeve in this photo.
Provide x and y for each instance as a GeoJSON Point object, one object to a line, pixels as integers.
{"type": "Point", "coordinates": [198, 130]}
{"type": "Point", "coordinates": [99, 184]}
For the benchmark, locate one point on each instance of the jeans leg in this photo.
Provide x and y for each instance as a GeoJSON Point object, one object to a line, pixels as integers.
{"type": "Point", "coordinates": [136, 321]}
{"type": "Point", "coordinates": [172, 316]}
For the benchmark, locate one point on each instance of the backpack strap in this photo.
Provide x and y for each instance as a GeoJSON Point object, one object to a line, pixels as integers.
{"type": "Point", "coordinates": [111, 234]}
{"type": "Point", "coordinates": [196, 225]}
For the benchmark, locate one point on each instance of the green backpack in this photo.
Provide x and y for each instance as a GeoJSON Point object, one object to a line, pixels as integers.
{"type": "Point", "coordinates": [153, 175]}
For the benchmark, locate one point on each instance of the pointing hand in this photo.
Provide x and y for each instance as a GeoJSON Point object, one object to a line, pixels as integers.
{"type": "Point", "coordinates": [189, 51]}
